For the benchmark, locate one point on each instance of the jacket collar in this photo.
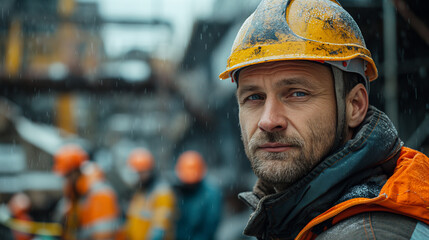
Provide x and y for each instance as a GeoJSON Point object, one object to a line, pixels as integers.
{"type": "Point", "coordinates": [375, 141]}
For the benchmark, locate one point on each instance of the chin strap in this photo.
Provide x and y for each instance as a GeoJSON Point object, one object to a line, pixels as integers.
{"type": "Point", "coordinates": [341, 107]}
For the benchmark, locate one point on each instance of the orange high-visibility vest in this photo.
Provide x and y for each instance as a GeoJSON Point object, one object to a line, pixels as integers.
{"type": "Point", "coordinates": [406, 192]}
{"type": "Point", "coordinates": [98, 213]}
{"type": "Point", "coordinates": [94, 215]}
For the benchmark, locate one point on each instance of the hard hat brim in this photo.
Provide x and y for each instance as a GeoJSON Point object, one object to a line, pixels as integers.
{"type": "Point", "coordinates": [308, 50]}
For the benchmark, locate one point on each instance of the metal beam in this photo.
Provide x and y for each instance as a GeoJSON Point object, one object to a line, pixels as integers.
{"type": "Point", "coordinates": [92, 21]}
{"type": "Point", "coordinates": [390, 61]}
{"type": "Point", "coordinates": [105, 85]}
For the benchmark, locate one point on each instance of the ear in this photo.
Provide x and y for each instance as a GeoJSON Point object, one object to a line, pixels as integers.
{"type": "Point", "coordinates": [356, 105]}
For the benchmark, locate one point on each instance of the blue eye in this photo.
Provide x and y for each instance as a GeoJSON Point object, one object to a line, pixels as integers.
{"type": "Point", "coordinates": [299, 94]}
{"type": "Point", "coordinates": [254, 97]}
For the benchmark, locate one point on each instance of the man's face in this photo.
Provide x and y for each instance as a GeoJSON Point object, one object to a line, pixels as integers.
{"type": "Point", "coordinates": [287, 114]}
{"type": "Point", "coordinates": [144, 176]}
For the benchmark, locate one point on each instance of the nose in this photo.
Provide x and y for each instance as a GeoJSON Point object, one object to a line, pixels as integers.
{"type": "Point", "coordinates": [273, 118]}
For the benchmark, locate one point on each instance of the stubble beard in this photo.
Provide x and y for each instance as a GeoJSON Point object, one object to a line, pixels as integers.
{"type": "Point", "coordinates": [281, 169]}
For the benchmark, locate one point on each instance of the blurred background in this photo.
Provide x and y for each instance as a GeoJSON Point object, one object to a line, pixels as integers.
{"type": "Point", "coordinates": [114, 75]}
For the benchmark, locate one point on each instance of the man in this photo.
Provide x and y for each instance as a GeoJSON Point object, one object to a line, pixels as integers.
{"type": "Point", "coordinates": [90, 209]}
{"type": "Point", "coordinates": [151, 210]}
{"type": "Point", "coordinates": [199, 200]}
{"type": "Point", "coordinates": [329, 165]}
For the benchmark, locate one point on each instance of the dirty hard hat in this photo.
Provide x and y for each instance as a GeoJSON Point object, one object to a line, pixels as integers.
{"type": "Point", "coordinates": [314, 30]}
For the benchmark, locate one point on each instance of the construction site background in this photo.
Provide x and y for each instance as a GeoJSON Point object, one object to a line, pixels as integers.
{"type": "Point", "coordinates": [77, 72]}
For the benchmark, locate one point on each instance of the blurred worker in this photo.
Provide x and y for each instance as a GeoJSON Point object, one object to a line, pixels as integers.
{"type": "Point", "coordinates": [90, 208]}
{"type": "Point", "coordinates": [199, 201]}
{"type": "Point", "coordinates": [20, 224]}
{"type": "Point", "coordinates": [329, 165]}
{"type": "Point", "coordinates": [19, 205]}
{"type": "Point", "coordinates": [151, 209]}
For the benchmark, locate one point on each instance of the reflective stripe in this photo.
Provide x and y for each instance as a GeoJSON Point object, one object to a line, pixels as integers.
{"type": "Point", "coordinates": [101, 226]}
{"type": "Point", "coordinates": [421, 232]}
{"type": "Point", "coordinates": [157, 234]}
{"type": "Point", "coordinates": [95, 188]}
{"type": "Point", "coordinates": [99, 187]}
{"type": "Point", "coordinates": [36, 228]}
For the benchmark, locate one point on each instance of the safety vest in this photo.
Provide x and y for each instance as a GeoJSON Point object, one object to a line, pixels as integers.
{"type": "Point", "coordinates": [151, 213]}
{"type": "Point", "coordinates": [98, 213]}
{"type": "Point", "coordinates": [406, 193]}
{"type": "Point", "coordinates": [94, 215]}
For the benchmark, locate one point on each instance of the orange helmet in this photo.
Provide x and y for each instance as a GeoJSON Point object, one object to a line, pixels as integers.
{"type": "Point", "coordinates": [190, 168]}
{"type": "Point", "coordinates": [141, 159]}
{"type": "Point", "coordinates": [69, 158]}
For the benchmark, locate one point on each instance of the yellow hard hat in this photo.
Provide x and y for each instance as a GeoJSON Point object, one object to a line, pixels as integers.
{"type": "Point", "coordinates": [315, 30]}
